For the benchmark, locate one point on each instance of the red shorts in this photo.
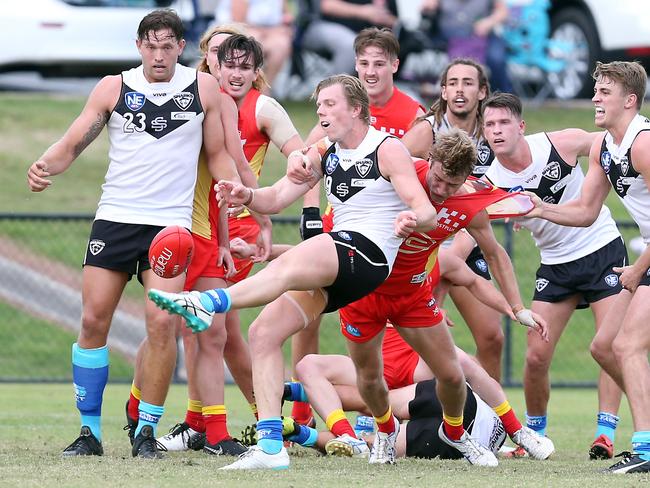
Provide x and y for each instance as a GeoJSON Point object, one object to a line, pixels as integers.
{"type": "Point", "coordinates": [245, 228]}
{"type": "Point", "coordinates": [328, 220]}
{"type": "Point", "coordinates": [400, 360]}
{"type": "Point", "coordinates": [364, 319]}
{"type": "Point", "coordinates": [204, 262]}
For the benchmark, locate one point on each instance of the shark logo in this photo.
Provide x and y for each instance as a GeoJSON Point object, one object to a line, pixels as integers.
{"type": "Point", "coordinates": [540, 284]}
{"type": "Point", "coordinates": [183, 99]}
{"type": "Point", "coordinates": [625, 165]}
{"type": "Point", "coordinates": [363, 166]}
{"type": "Point", "coordinates": [552, 171]}
{"type": "Point", "coordinates": [96, 246]}
{"type": "Point", "coordinates": [483, 152]}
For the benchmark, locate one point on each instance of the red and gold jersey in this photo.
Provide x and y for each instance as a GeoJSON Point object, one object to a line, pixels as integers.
{"type": "Point", "coordinates": [397, 116]}
{"type": "Point", "coordinates": [418, 253]}
{"type": "Point", "coordinates": [205, 212]}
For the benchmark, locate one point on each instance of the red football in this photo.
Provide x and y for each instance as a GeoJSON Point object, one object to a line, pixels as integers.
{"type": "Point", "coordinates": [171, 251]}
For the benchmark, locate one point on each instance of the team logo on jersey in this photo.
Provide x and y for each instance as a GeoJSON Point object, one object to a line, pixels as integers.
{"type": "Point", "coordinates": [418, 278]}
{"type": "Point", "coordinates": [540, 284]}
{"type": "Point", "coordinates": [611, 280]}
{"type": "Point", "coordinates": [625, 165]}
{"type": "Point", "coordinates": [481, 265]}
{"type": "Point", "coordinates": [606, 161]}
{"type": "Point", "coordinates": [134, 100]}
{"type": "Point", "coordinates": [515, 189]}
{"type": "Point", "coordinates": [483, 152]}
{"type": "Point", "coordinates": [450, 220]}
{"type": "Point", "coordinates": [331, 164]}
{"type": "Point", "coordinates": [183, 99]}
{"type": "Point", "coordinates": [344, 235]}
{"type": "Point", "coordinates": [96, 246]}
{"type": "Point", "coordinates": [363, 166]}
{"type": "Point", "coordinates": [352, 330]}
{"type": "Point", "coordinates": [552, 171]}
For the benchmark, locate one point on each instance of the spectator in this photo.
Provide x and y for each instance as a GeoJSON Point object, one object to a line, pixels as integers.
{"type": "Point", "coordinates": [470, 29]}
{"type": "Point", "coordinates": [268, 21]}
{"type": "Point", "coordinates": [334, 30]}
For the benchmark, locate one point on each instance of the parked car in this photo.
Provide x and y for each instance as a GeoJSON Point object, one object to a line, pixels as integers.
{"type": "Point", "coordinates": [76, 37]}
{"type": "Point", "coordinates": [598, 30]}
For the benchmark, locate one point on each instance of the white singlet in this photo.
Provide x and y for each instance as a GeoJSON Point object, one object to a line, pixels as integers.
{"type": "Point", "coordinates": [155, 133]}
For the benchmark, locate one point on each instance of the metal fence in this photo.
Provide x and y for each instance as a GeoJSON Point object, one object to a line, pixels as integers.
{"type": "Point", "coordinates": [40, 305]}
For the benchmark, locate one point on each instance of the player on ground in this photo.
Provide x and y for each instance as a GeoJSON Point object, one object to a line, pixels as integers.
{"type": "Point", "coordinates": [576, 263]}
{"type": "Point", "coordinates": [620, 159]}
{"type": "Point", "coordinates": [391, 111]}
{"type": "Point", "coordinates": [371, 218]}
{"type": "Point", "coordinates": [463, 88]}
{"type": "Point", "coordinates": [158, 116]}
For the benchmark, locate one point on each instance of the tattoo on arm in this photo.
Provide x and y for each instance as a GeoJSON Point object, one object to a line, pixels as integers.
{"type": "Point", "coordinates": [93, 131]}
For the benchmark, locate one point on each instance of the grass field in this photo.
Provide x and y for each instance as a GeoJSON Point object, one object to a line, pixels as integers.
{"type": "Point", "coordinates": [34, 431]}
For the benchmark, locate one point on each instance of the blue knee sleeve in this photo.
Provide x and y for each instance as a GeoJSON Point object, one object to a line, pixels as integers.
{"type": "Point", "coordinates": [90, 375]}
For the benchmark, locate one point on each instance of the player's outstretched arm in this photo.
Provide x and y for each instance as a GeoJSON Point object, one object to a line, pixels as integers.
{"type": "Point", "coordinates": [419, 139]}
{"type": "Point", "coordinates": [84, 130]}
{"type": "Point", "coordinates": [583, 211]}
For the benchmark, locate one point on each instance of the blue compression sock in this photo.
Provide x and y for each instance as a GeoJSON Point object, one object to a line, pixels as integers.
{"type": "Point", "coordinates": [217, 300]}
{"type": "Point", "coordinates": [90, 375]}
{"type": "Point", "coordinates": [641, 444]}
{"type": "Point", "coordinates": [269, 435]}
{"type": "Point", "coordinates": [149, 415]}
{"type": "Point", "coordinates": [607, 423]}
{"type": "Point", "coordinates": [537, 423]}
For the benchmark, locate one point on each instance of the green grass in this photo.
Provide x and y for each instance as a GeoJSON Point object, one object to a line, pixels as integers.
{"type": "Point", "coordinates": [34, 431]}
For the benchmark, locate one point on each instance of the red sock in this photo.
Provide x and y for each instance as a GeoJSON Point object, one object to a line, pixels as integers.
{"type": "Point", "coordinates": [385, 423]}
{"type": "Point", "coordinates": [509, 419]}
{"type": "Point", "coordinates": [453, 432]}
{"type": "Point", "coordinates": [134, 405]}
{"type": "Point", "coordinates": [195, 420]}
{"type": "Point", "coordinates": [216, 429]}
{"type": "Point", "coordinates": [301, 412]}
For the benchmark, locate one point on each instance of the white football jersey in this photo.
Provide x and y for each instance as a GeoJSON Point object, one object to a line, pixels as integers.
{"type": "Point", "coordinates": [155, 133]}
{"type": "Point", "coordinates": [629, 185]}
{"type": "Point", "coordinates": [555, 181]}
{"type": "Point", "coordinates": [362, 199]}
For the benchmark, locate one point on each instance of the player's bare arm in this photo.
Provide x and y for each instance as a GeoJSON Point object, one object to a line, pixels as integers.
{"type": "Point", "coordinates": [396, 165]}
{"type": "Point", "coordinates": [266, 200]}
{"type": "Point", "coordinates": [229, 118]}
{"type": "Point", "coordinates": [504, 274]}
{"type": "Point", "coordinates": [219, 161]}
{"type": "Point", "coordinates": [455, 270]}
{"type": "Point", "coordinates": [573, 143]}
{"type": "Point", "coordinates": [418, 139]}
{"type": "Point", "coordinates": [84, 130]}
{"type": "Point", "coordinates": [582, 211]}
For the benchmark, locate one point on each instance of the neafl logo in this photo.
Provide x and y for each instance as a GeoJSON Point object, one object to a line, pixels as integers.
{"type": "Point", "coordinates": [160, 264]}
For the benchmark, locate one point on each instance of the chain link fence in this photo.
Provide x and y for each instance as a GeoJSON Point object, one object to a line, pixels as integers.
{"type": "Point", "coordinates": [40, 305]}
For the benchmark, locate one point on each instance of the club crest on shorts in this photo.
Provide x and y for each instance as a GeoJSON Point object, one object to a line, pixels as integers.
{"type": "Point", "coordinates": [606, 161]}
{"type": "Point", "coordinates": [611, 280]}
{"type": "Point", "coordinates": [540, 284]}
{"type": "Point", "coordinates": [483, 153]}
{"type": "Point", "coordinates": [363, 166]}
{"type": "Point", "coordinates": [96, 246]}
{"type": "Point", "coordinates": [552, 171]}
{"type": "Point", "coordinates": [331, 164]}
{"type": "Point", "coordinates": [183, 99]}
{"type": "Point", "coordinates": [481, 265]}
{"type": "Point", "coordinates": [134, 100]}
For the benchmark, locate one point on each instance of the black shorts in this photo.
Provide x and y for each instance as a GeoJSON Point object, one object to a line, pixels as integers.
{"type": "Point", "coordinates": [477, 263]}
{"type": "Point", "coordinates": [362, 268]}
{"type": "Point", "coordinates": [120, 247]}
{"type": "Point", "coordinates": [591, 276]}
{"type": "Point", "coordinates": [422, 438]}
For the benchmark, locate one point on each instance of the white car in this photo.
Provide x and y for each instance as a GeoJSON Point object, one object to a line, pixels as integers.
{"type": "Point", "coordinates": [76, 37]}
{"type": "Point", "coordinates": [599, 30]}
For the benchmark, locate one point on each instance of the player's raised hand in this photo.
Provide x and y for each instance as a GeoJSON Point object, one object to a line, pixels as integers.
{"type": "Point", "coordinates": [299, 167]}
{"type": "Point", "coordinates": [224, 258]}
{"type": "Point", "coordinates": [405, 223]}
{"type": "Point", "coordinates": [538, 204]}
{"type": "Point", "coordinates": [37, 176]}
{"type": "Point", "coordinates": [232, 193]}
{"type": "Point", "coordinates": [630, 277]}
